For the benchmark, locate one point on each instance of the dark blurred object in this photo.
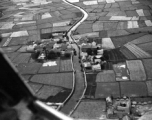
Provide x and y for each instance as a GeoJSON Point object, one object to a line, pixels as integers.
{"type": "Point", "coordinates": [11, 83]}
{"type": "Point", "coordinates": [1, 14]}
{"type": "Point", "coordinates": [9, 114]}
{"type": "Point", "coordinates": [17, 101]}
{"type": "Point", "coordinates": [0, 39]}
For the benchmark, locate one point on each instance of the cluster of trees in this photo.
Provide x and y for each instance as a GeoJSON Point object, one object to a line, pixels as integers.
{"type": "Point", "coordinates": [49, 55]}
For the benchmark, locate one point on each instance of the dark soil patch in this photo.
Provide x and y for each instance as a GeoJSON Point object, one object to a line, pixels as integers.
{"type": "Point", "coordinates": [60, 97]}
{"type": "Point", "coordinates": [90, 92]}
{"type": "Point", "coordinates": [91, 78]}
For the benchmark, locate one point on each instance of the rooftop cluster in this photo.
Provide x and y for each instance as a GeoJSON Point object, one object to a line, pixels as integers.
{"type": "Point", "coordinates": [47, 49]}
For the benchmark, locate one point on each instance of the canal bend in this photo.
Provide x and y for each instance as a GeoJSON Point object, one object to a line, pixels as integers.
{"type": "Point", "coordinates": [80, 84]}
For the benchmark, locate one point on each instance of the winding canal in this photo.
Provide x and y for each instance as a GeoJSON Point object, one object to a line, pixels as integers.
{"type": "Point", "coordinates": [80, 80]}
